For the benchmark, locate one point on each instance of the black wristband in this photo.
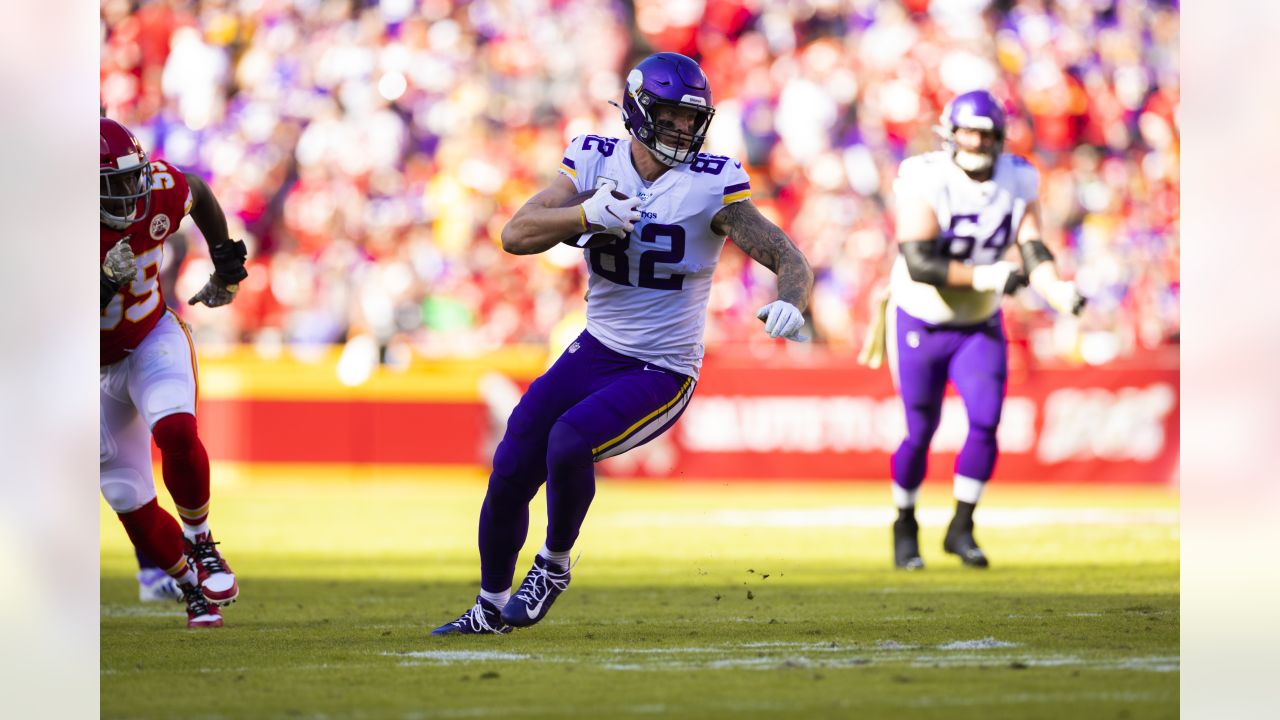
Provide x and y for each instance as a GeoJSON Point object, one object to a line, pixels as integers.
{"type": "Point", "coordinates": [1034, 253]}
{"type": "Point", "coordinates": [228, 261]}
{"type": "Point", "coordinates": [106, 290]}
{"type": "Point", "coordinates": [924, 263]}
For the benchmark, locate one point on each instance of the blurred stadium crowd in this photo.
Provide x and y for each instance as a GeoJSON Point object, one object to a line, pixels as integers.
{"type": "Point", "coordinates": [372, 151]}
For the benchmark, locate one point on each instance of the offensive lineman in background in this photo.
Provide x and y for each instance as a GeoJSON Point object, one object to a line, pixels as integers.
{"type": "Point", "coordinates": [958, 209]}
{"type": "Point", "coordinates": [629, 376]}
{"type": "Point", "coordinates": [148, 366]}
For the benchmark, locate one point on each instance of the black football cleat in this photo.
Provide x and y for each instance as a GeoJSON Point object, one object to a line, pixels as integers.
{"type": "Point", "coordinates": [959, 539]}
{"type": "Point", "coordinates": [906, 543]}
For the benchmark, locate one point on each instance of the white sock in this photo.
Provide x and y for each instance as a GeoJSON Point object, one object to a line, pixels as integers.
{"type": "Point", "coordinates": [499, 599]}
{"type": "Point", "coordinates": [188, 578]}
{"type": "Point", "coordinates": [559, 558]}
{"type": "Point", "coordinates": [904, 498]}
{"type": "Point", "coordinates": [191, 531]}
{"type": "Point", "coordinates": [969, 489]}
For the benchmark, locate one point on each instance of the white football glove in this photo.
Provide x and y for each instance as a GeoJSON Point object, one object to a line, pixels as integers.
{"type": "Point", "coordinates": [215, 293]}
{"type": "Point", "coordinates": [609, 214]}
{"type": "Point", "coordinates": [120, 265]}
{"type": "Point", "coordinates": [1064, 297]}
{"type": "Point", "coordinates": [1003, 277]}
{"type": "Point", "coordinates": [782, 320]}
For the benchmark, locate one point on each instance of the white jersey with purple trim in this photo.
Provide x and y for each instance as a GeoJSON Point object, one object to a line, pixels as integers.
{"type": "Point", "coordinates": [647, 294]}
{"type": "Point", "coordinates": [979, 221]}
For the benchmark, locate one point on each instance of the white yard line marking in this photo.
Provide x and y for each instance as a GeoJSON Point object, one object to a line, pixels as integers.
{"type": "Point", "coordinates": [460, 655]}
{"type": "Point", "coordinates": [777, 655]}
{"type": "Point", "coordinates": [983, 644]}
{"type": "Point", "coordinates": [124, 611]}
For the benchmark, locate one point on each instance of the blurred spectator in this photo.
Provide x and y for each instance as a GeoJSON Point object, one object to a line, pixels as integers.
{"type": "Point", "coordinates": [372, 151]}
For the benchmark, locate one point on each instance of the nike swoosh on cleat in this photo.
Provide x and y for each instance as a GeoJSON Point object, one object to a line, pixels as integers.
{"type": "Point", "coordinates": [532, 612]}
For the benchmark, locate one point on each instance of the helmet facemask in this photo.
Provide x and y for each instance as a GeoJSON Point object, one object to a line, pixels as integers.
{"type": "Point", "coordinates": [119, 191]}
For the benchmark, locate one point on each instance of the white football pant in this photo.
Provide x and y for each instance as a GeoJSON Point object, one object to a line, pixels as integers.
{"type": "Point", "coordinates": [154, 381]}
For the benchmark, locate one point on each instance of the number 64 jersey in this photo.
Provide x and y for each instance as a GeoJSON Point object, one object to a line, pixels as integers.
{"type": "Point", "coordinates": [979, 220]}
{"type": "Point", "coordinates": [647, 294]}
{"type": "Point", "coordinates": [139, 305]}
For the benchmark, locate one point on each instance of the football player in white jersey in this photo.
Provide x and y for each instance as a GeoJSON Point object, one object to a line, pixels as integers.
{"type": "Point", "coordinates": [958, 210]}
{"type": "Point", "coordinates": [666, 209]}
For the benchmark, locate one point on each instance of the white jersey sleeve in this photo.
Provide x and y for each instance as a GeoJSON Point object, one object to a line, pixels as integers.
{"type": "Point", "coordinates": [921, 177]}
{"type": "Point", "coordinates": [584, 159]}
{"type": "Point", "coordinates": [736, 186]}
{"type": "Point", "coordinates": [977, 223]}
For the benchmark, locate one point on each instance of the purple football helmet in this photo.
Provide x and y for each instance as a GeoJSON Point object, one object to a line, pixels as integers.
{"type": "Point", "coordinates": [670, 80]}
{"type": "Point", "coordinates": [976, 110]}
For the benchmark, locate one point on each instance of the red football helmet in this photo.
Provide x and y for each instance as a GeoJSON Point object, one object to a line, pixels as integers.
{"type": "Point", "coordinates": [124, 176]}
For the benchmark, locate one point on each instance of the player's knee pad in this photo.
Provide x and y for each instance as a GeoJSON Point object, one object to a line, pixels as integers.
{"type": "Point", "coordinates": [566, 447]}
{"type": "Point", "coordinates": [176, 434]}
{"type": "Point", "coordinates": [982, 431]}
{"type": "Point", "coordinates": [167, 398]}
{"type": "Point", "coordinates": [506, 459]}
{"type": "Point", "coordinates": [922, 423]}
{"type": "Point", "coordinates": [125, 490]}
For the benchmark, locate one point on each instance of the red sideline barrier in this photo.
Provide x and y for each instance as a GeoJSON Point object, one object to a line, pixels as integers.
{"type": "Point", "coordinates": [783, 418]}
{"type": "Point", "coordinates": [837, 420]}
{"type": "Point", "coordinates": [343, 431]}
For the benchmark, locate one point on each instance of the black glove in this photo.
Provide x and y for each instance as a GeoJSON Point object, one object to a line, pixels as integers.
{"type": "Point", "coordinates": [228, 261]}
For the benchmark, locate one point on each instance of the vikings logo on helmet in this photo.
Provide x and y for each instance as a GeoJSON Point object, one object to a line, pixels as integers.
{"type": "Point", "coordinates": [667, 80]}
{"type": "Point", "coordinates": [976, 110]}
{"type": "Point", "coordinates": [124, 176]}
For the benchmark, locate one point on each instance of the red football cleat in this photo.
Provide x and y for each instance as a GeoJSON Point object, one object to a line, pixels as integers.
{"type": "Point", "coordinates": [217, 582]}
{"type": "Point", "coordinates": [200, 614]}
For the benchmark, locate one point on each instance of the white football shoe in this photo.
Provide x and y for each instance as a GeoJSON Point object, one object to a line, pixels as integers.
{"type": "Point", "coordinates": [155, 585]}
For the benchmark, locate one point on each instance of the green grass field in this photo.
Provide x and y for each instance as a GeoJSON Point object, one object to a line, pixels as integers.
{"type": "Point", "coordinates": [690, 600]}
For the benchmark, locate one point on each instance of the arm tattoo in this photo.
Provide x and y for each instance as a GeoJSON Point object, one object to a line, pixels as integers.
{"type": "Point", "coordinates": [769, 246]}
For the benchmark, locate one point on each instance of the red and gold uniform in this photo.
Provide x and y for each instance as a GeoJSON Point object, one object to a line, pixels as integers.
{"type": "Point", "coordinates": [139, 305]}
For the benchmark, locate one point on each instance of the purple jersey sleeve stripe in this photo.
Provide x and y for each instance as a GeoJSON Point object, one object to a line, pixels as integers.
{"type": "Point", "coordinates": [569, 164]}
{"type": "Point", "coordinates": [737, 188]}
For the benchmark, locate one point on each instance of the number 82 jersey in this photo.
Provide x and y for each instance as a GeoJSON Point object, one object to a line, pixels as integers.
{"type": "Point", "coordinates": [137, 306]}
{"type": "Point", "coordinates": [647, 293]}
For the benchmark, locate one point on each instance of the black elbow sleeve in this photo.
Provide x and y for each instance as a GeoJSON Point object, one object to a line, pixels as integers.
{"type": "Point", "coordinates": [924, 263]}
{"type": "Point", "coordinates": [1033, 252]}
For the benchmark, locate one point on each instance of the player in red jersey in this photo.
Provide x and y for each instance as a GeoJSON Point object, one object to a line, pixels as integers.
{"type": "Point", "coordinates": [148, 366]}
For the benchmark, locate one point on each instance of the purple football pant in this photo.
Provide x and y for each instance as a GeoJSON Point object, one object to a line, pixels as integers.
{"type": "Point", "coordinates": [923, 358]}
{"type": "Point", "coordinates": [592, 404]}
